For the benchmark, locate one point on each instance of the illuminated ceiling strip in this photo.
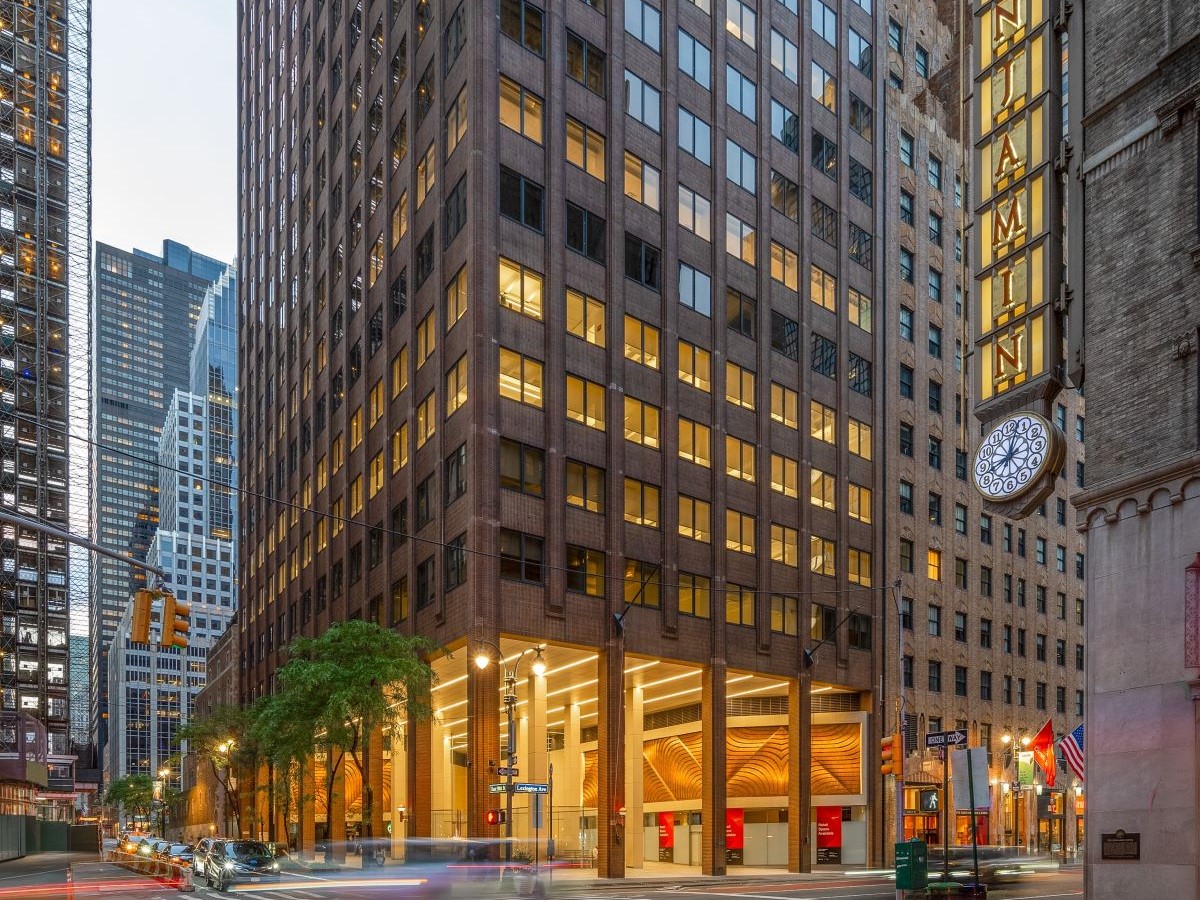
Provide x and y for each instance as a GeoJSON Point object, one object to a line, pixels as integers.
{"type": "Point", "coordinates": [773, 686]}
{"type": "Point", "coordinates": [687, 674]}
{"type": "Point", "coordinates": [683, 693]}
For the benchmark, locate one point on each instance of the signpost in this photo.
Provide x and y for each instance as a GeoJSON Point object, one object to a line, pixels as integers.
{"type": "Point", "coordinates": [942, 740]}
{"type": "Point", "coordinates": [527, 787]}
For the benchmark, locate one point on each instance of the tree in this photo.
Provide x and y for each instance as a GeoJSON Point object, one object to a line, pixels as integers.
{"type": "Point", "coordinates": [337, 688]}
{"type": "Point", "coordinates": [134, 794]}
{"type": "Point", "coordinates": [225, 738]}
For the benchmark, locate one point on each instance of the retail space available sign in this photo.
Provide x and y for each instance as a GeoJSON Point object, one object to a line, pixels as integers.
{"type": "Point", "coordinates": [1017, 128]}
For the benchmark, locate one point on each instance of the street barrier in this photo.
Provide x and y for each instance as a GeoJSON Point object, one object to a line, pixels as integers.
{"type": "Point", "coordinates": [179, 877]}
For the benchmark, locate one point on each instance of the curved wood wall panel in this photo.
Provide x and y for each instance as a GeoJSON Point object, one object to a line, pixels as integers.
{"type": "Point", "coordinates": [837, 759]}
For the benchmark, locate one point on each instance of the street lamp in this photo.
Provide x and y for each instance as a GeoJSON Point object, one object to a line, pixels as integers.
{"type": "Point", "coordinates": [225, 748]}
{"type": "Point", "coordinates": [164, 773]}
{"type": "Point", "coordinates": [538, 667]}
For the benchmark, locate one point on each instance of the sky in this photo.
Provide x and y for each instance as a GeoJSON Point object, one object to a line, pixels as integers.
{"type": "Point", "coordinates": [164, 114]}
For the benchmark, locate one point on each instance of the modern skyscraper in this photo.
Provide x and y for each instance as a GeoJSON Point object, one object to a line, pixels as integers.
{"type": "Point", "coordinates": [144, 315]}
{"type": "Point", "coordinates": [561, 319]}
{"type": "Point", "coordinates": [45, 208]}
{"type": "Point", "coordinates": [152, 690]}
{"type": "Point", "coordinates": [1133, 270]}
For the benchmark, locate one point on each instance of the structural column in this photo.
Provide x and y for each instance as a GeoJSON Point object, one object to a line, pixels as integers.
{"type": "Point", "coordinates": [568, 778]}
{"type": "Point", "coordinates": [635, 842]}
{"type": "Point", "coordinates": [308, 818]}
{"type": "Point", "coordinates": [714, 794]}
{"type": "Point", "coordinates": [800, 774]}
{"type": "Point", "coordinates": [610, 762]}
{"type": "Point", "coordinates": [400, 805]}
{"type": "Point", "coordinates": [536, 756]}
{"type": "Point", "coordinates": [337, 806]}
{"type": "Point", "coordinates": [418, 766]}
{"type": "Point", "coordinates": [483, 748]}
{"type": "Point", "coordinates": [375, 755]}
{"type": "Point", "coordinates": [441, 777]}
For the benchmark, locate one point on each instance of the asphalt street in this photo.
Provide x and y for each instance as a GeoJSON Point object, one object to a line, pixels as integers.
{"type": "Point", "coordinates": [79, 876]}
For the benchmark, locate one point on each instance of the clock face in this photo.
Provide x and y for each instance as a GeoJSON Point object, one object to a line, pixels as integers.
{"type": "Point", "coordinates": [1014, 456]}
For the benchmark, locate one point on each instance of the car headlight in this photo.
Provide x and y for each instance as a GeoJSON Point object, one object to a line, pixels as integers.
{"type": "Point", "coordinates": [275, 866]}
{"type": "Point", "coordinates": [230, 866]}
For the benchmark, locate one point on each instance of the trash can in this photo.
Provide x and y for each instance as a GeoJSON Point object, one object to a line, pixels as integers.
{"type": "Point", "coordinates": [912, 865]}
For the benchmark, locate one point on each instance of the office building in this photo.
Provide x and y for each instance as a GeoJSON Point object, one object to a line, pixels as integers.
{"type": "Point", "coordinates": [145, 310]}
{"type": "Point", "coordinates": [991, 610]}
{"type": "Point", "coordinates": [45, 215]}
{"type": "Point", "coordinates": [1132, 271]}
{"type": "Point", "coordinates": [564, 313]}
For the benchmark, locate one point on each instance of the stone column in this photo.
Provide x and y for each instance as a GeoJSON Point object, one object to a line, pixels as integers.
{"type": "Point", "coordinates": [635, 844]}
{"type": "Point", "coordinates": [799, 774]}
{"type": "Point", "coordinates": [714, 793]}
{"type": "Point", "coordinates": [400, 793]}
{"type": "Point", "coordinates": [610, 762]}
{"type": "Point", "coordinates": [441, 773]}
{"type": "Point", "coordinates": [483, 748]}
{"type": "Point", "coordinates": [568, 777]}
{"type": "Point", "coordinates": [308, 820]}
{"type": "Point", "coordinates": [375, 754]}
{"type": "Point", "coordinates": [536, 756]}
{"type": "Point", "coordinates": [419, 765]}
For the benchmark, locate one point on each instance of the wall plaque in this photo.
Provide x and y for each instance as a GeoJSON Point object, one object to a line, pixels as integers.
{"type": "Point", "coordinates": [1120, 844]}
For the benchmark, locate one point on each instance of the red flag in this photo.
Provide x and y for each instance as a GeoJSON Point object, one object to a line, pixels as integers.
{"type": "Point", "coordinates": [1043, 751]}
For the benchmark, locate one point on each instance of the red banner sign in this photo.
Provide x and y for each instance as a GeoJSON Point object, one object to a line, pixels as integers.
{"type": "Point", "coordinates": [666, 830]}
{"type": "Point", "coordinates": [829, 827]}
{"type": "Point", "coordinates": [735, 829]}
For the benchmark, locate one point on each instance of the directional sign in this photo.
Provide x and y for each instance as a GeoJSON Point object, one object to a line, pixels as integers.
{"type": "Point", "coordinates": [526, 787]}
{"type": "Point", "coordinates": [497, 788]}
{"type": "Point", "coordinates": [945, 738]}
{"type": "Point", "coordinates": [504, 771]}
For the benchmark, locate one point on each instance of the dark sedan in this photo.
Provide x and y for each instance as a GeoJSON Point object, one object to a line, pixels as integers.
{"type": "Point", "coordinates": [231, 862]}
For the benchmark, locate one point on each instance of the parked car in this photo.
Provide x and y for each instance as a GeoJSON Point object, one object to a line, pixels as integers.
{"type": "Point", "coordinates": [176, 854]}
{"type": "Point", "coordinates": [230, 862]}
{"type": "Point", "coordinates": [200, 855]}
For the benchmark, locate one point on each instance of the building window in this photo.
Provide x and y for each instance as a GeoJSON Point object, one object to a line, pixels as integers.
{"type": "Point", "coordinates": [521, 21]}
{"type": "Point", "coordinates": [739, 605]}
{"type": "Point", "coordinates": [694, 595]}
{"type": "Point", "coordinates": [520, 109]}
{"type": "Point", "coordinates": [585, 148]}
{"type": "Point", "coordinates": [822, 556]}
{"type": "Point", "coordinates": [695, 519]}
{"type": "Point", "coordinates": [641, 342]}
{"type": "Point", "coordinates": [785, 124]}
{"type": "Point", "coordinates": [642, 503]}
{"type": "Point", "coordinates": [824, 22]}
{"type": "Point", "coordinates": [785, 404]}
{"type": "Point", "coordinates": [585, 570]}
{"type": "Point", "coordinates": [586, 63]}
{"type": "Point", "coordinates": [935, 678]}
{"type": "Point", "coordinates": [859, 50]}
{"type": "Point", "coordinates": [521, 288]}
{"type": "Point", "coordinates": [585, 317]}
{"type": "Point", "coordinates": [695, 60]}
{"type": "Point", "coordinates": [695, 213]}
{"type": "Point", "coordinates": [586, 232]}
{"type": "Point", "coordinates": [740, 21]}
{"type": "Point", "coordinates": [695, 364]}
{"type": "Point", "coordinates": [740, 239]}
{"type": "Point", "coordinates": [824, 356]}
{"type": "Point", "coordinates": [585, 402]}
{"type": "Point", "coordinates": [695, 136]}
{"type": "Point", "coordinates": [643, 101]}
{"type": "Point", "coordinates": [739, 385]}
{"type": "Point", "coordinates": [642, 584]}
{"type": "Point", "coordinates": [785, 335]}
{"type": "Point", "coordinates": [643, 262]}
{"type": "Point", "coordinates": [785, 614]}
{"type": "Point", "coordinates": [522, 467]}
{"type": "Point", "coordinates": [824, 155]}
{"type": "Point", "coordinates": [585, 486]}
{"type": "Point", "coordinates": [642, 423]}
{"type": "Point", "coordinates": [741, 166]}
{"type": "Point", "coordinates": [739, 458]}
{"type": "Point", "coordinates": [521, 556]}
{"type": "Point", "coordinates": [862, 118]}
{"type": "Point", "coordinates": [520, 199]}
{"type": "Point", "coordinates": [520, 378]}
{"type": "Point", "coordinates": [644, 22]}
{"type": "Point", "coordinates": [642, 181]}
{"type": "Point", "coordinates": [739, 531]}
{"type": "Point", "coordinates": [741, 312]}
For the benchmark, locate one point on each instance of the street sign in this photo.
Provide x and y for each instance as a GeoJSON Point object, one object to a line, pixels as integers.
{"type": "Point", "coordinates": [527, 787]}
{"type": "Point", "coordinates": [945, 738]}
{"type": "Point", "coordinates": [504, 771]}
{"type": "Point", "coordinates": [497, 788]}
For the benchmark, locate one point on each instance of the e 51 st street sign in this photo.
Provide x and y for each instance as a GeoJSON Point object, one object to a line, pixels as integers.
{"type": "Point", "coordinates": [939, 739]}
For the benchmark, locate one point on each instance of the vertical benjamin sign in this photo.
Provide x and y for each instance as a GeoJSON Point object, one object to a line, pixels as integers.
{"type": "Point", "coordinates": [1017, 115]}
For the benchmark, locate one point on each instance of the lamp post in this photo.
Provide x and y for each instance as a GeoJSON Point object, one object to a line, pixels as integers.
{"type": "Point", "coordinates": [1024, 741]}
{"type": "Point", "coordinates": [164, 774]}
{"type": "Point", "coordinates": [538, 666]}
{"type": "Point", "coordinates": [225, 748]}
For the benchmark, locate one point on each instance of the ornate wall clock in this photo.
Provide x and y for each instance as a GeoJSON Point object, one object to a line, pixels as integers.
{"type": "Point", "coordinates": [1014, 457]}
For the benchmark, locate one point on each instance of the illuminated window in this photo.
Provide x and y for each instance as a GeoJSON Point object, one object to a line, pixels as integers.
{"type": "Point", "coordinates": [785, 545]}
{"type": "Point", "coordinates": [822, 489]}
{"type": "Point", "coordinates": [739, 531]}
{"type": "Point", "coordinates": [337, 512]}
{"type": "Point", "coordinates": [860, 503]}
{"type": "Point", "coordinates": [399, 371]}
{"type": "Point", "coordinates": [641, 422]}
{"type": "Point", "coordinates": [934, 564]}
{"type": "Point", "coordinates": [456, 121]}
{"type": "Point", "coordinates": [695, 442]}
{"type": "Point", "coordinates": [585, 570]}
{"type": "Point", "coordinates": [785, 614]}
{"type": "Point", "coordinates": [695, 594]}
{"type": "Point", "coordinates": [520, 110]}
{"type": "Point", "coordinates": [356, 496]}
{"type": "Point", "coordinates": [643, 586]}
{"type": "Point", "coordinates": [520, 378]}
{"type": "Point", "coordinates": [822, 422]}
{"type": "Point", "coordinates": [822, 556]}
{"type": "Point", "coordinates": [641, 342]}
{"type": "Point", "coordinates": [739, 605]}
{"type": "Point", "coordinates": [456, 386]}
{"type": "Point", "coordinates": [426, 339]}
{"type": "Point", "coordinates": [694, 366]}
{"type": "Point", "coordinates": [823, 288]}
{"type": "Point", "coordinates": [356, 428]}
{"type": "Point", "coordinates": [860, 310]}
{"type": "Point", "coordinates": [739, 385]}
{"type": "Point", "coordinates": [785, 475]}
{"type": "Point", "coordinates": [858, 567]}
{"type": "Point", "coordinates": [375, 262]}
{"type": "Point", "coordinates": [376, 475]}
{"type": "Point", "coordinates": [426, 173]}
{"type": "Point", "coordinates": [784, 405]}
{"type": "Point", "coordinates": [322, 474]}
{"type": "Point", "coordinates": [785, 266]}
{"type": "Point", "coordinates": [585, 148]}
{"type": "Point", "coordinates": [642, 181]}
{"type": "Point", "coordinates": [400, 219]}
{"type": "Point", "coordinates": [859, 438]}
{"type": "Point", "coordinates": [426, 418]}
{"type": "Point", "coordinates": [585, 486]}
{"type": "Point", "coordinates": [695, 519]}
{"type": "Point", "coordinates": [520, 288]}
{"type": "Point", "coordinates": [585, 402]}
{"type": "Point", "coordinates": [400, 447]}
{"type": "Point", "coordinates": [375, 403]}
{"type": "Point", "coordinates": [739, 458]}
{"type": "Point", "coordinates": [641, 503]}
{"type": "Point", "coordinates": [585, 317]}
{"type": "Point", "coordinates": [456, 298]}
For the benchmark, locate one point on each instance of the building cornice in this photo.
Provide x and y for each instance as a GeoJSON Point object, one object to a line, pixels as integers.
{"type": "Point", "coordinates": [1135, 487]}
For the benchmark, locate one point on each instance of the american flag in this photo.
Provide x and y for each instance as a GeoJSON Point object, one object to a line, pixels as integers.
{"type": "Point", "coordinates": [1072, 750]}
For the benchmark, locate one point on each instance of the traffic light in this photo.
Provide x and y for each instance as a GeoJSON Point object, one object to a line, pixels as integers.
{"type": "Point", "coordinates": [176, 622]}
{"type": "Point", "coordinates": [891, 747]}
{"type": "Point", "coordinates": [494, 817]}
{"type": "Point", "coordinates": [142, 601]}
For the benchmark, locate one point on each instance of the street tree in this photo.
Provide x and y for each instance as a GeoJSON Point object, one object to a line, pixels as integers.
{"type": "Point", "coordinates": [134, 794]}
{"type": "Point", "coordinates": [225, 738]}
{"type": "Point", "coordinates": [344, 684]}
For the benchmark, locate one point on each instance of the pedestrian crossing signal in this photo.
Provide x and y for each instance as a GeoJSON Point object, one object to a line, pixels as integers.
{"type": "Point", "coordinates": [494, 817]}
